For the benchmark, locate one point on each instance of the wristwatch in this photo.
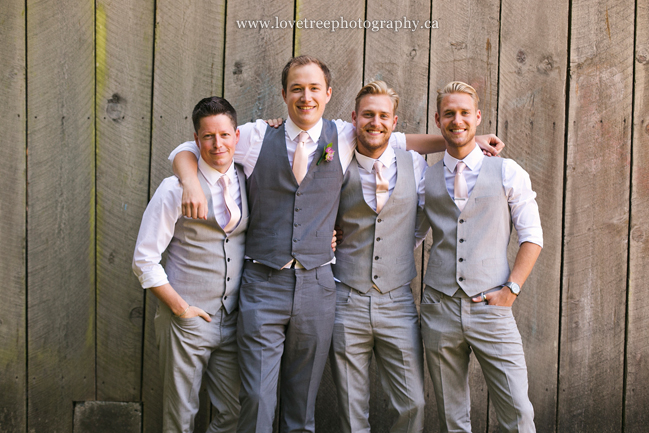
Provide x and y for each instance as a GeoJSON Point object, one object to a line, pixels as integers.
{"type": "Point", "coordinates": [515, 288]}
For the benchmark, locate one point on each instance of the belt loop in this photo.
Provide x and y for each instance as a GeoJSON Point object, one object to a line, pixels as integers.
{"type": "Point", "coordinates": [270, 274]}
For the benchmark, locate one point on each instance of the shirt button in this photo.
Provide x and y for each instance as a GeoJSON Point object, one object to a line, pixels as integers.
{"type": "Point", "coordinates": [461, 260]}
{"type": "Point", "coordinates": [461, 240]}
{"type": "Point", "coordinates": [461, 278]}
{"type": "Point", "coordinates": [461, 221]}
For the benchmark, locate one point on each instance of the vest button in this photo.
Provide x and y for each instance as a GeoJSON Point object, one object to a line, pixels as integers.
{"type": "Point", "coordinates": [297, 209]}
{"type": "Point", "coordinates": [376, 257]}
{"type": "Point", "coordinates": [379, 220]}
{"type": "Point", "coordinates": [461, 260]}
{"type": "Point", "coordinates": [293, 254]}
{"type": "Point", "coordinates": [299, 193]}
{"type": "Point", "coordinates": [228, 279]}
{"type": "Point", "coordinates": [225, 298]}
{"type": "Point", "coordinates": [378, 239]}
{"type": "Point", "coordinates": [461, 221]}
{"type": "Point", "coordinates": [376, 277]}
{"type": "Point", "coordinates": [295, 225]}
{"type": "Point", "coordinates": [294, 240]}
{"type": "Point", "coordinates": [461, 278]}
{"type": "Point", "coordinates": [461, 240]}
{"type": "Point", "coordinates": [228, 259]}
{"type": "Point", "coordinates": [227, 240]}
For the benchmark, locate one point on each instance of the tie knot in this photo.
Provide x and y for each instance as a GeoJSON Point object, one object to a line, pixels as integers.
{"type": "Point", "coordinates": [302, 137]}
{"type": "Point", "coordinates": [378, 166]}
{"type": "Point", "coordinates": [460, 166]}
{"type": "Point", "coordinates": [224, 180]}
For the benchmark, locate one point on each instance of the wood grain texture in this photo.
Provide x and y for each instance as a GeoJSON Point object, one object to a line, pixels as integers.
{"type": "Point", "coordinates": [531, 119]}
{"type": "Point", "coordinates": [123, 110]}
{"type": "Point", "coordinates": [341, 50]}
{"type": "Point", "coordinates": [254, 59]}
{"type": "Point", "coordinates": [13, 185]}
{"type": "Point", "coordinates": [61, 220]}
{"type": "Point", "coordinates": [637, 380]}
{"type": "Point", "coordinates": [189, 40]}
{"type": "Point", "coordinates": [596, 217]}
{"type": "Point", "coordinates": [465, 48]}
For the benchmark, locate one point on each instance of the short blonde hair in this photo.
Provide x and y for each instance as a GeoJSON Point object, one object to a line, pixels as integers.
{"type": "Point", "coordinates": [457, 87]}
{"type": "Point", "coordinates": [378, 87]}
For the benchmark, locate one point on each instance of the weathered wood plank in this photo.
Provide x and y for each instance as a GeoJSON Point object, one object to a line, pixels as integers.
{"type": "Point", "coordinates": [188, 50]}
{"type": "Point", "coordinates": [13, 355]}
{"type": "Point", "coordinates": [123, 110]}
{"type": "Point", "coordinates": [596, 217]}
{"type": "Point", "coordinates": [531, 118]}
{"type": "Point", "coordinates": [61, 220]}
{"type": "Point", "coordinates": [254, 58]}
{"type": "Point", "coordinates": [465, 48]}
{"type": "Point", "coordinates": [406, 70]}
{"type": "Point", "coordinates": [637, 364]}
{"type": "Point", "coordinates": [341, 50]}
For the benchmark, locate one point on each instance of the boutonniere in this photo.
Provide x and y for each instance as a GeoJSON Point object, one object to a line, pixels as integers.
{"type": "Point", "coordinates": [327, 155]}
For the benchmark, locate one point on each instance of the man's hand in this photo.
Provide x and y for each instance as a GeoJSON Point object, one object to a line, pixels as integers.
{"type": "Point", "coordinates": [275, 123]}
{"type": "Point", "coordinates": [333, 241]}
{"type": "Point", "coordinates": [338, 232]}
{"type": "Point", "coordinates": [490, 144]}
{"type": "Point", "coordinates": [503, 297]}
{"type": "Point", "coordinates": [194, 203]}
{"type": "Point", "coordinates": [195, 311]}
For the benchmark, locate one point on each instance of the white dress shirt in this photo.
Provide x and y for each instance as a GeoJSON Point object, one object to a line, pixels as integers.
{"type": "Point", "coordinates": [517, 186]}
{"type": "Point", "coordinates": [162, 213]}
{"type": "Point", "coordinates": [251, 137]}
{"type": "Point", "coordinates": [389, 160]}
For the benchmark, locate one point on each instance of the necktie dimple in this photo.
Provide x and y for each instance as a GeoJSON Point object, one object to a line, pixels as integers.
{"type": "Point", "coordinates": [461, 190]}
{"type": "Point", "coordinates": [301, 157]}
{"type": "Point", "coordinates": [382, 187]}
{"type": "Point", "coordinates": [230, 204]}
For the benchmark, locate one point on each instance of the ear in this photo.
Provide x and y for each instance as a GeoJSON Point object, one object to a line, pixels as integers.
{"type": "Point", "coordinates": [437, 121]}
{"type": "Point", "coordinates": [478, 116]}
{"type": "Point", "coordinates": [196, 140]}
{"type": "Point", "coordinates": [236, 136]}
{"type": "Point", "coordinates": [354, 118]}
{"type": "Point", "coordinates": [284, 95]}
{"type": "Point", "coordinates": [329, 94]}
{"type": "Point", "coordinates": [394, 125]}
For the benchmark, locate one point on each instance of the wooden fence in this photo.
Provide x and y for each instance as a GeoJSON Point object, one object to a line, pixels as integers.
{"type": "Point", "coordinates": [94, 95]}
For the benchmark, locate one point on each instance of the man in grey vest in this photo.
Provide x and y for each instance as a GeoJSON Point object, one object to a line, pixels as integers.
{"type": "Point", "coordinates": [288, 295]}
{"type": "Point", "coordinates": [380, 214]}
{"type": "Point", "coordinates": [471, 202]}
{"type": "Point", "coordinates": [196, 320]}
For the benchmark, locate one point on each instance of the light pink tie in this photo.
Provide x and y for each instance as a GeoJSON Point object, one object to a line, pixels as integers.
{"type": "Point", "coordinates": [301, 157]}
{"type": "Point", "coordinates": [230, 204]}
{"type": "Point", "coordinates": [461, 190]}
{"type": "Point", "coordinates": [382, 187]}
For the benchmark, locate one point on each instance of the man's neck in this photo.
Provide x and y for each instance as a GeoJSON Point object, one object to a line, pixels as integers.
{"type": "Point", "coordinates": [461, 152]}
{"type": "Point", "coordinates": [371, 153]}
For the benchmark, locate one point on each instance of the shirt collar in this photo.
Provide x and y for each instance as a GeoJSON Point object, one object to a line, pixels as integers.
{"type": "Point", "coordinates": [212, 175]}
{"type": "Point", "coordinates": [387, 158]}
{"type": "Point", "coordinates": [473, 160]}
{"type": "Point", "coordinates": [293, 130]}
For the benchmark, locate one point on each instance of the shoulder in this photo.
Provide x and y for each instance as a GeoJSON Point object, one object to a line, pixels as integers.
{"type": "Point", "coordinates": [169, 189]}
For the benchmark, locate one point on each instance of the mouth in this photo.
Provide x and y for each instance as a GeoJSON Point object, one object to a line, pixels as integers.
{"type": "Point", "coordinates": [457, 131]}
{"type": "Point", "coordinates": [374, 132]}
{"type": "Point", "coordinates": [306, 108]}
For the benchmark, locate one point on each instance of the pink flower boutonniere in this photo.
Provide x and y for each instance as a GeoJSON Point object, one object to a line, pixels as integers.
{"type": "Point", "coordinates": [327, 155]}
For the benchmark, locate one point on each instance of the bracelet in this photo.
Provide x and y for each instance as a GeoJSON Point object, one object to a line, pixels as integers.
{"type": "Point", "coordinates": [184, 312]}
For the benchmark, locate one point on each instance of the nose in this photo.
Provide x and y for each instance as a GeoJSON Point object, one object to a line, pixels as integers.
{"type": "Point", "coordinates": [306, 95]}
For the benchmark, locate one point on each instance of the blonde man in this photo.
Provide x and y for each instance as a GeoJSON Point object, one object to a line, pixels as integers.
{"type": "Point", "coordinates": [471, 202]}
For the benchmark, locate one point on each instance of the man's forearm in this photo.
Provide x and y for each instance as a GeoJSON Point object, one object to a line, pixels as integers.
{"type": "Point", "coordinates": [185, 166]}
{"type": "Point", "coordinates": [425, 143]}
{"type": "Point", "coordinates": [525, 260]}
{"type": "Point", "coordinates": [171, 298]}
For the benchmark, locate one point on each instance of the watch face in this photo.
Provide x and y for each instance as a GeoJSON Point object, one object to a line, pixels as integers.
{"type": "Point", "coordinates": [515, 288]}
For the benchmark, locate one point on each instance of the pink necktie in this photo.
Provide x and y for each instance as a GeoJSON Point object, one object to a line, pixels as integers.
{"type": "Point", "coordinates": [301, 157]}
{"type": "Point", "coordinates": [230, 204]}
{"type": "Point", "coordinates": [461, 190]}
{"type": "Point", "coordinates": [382, 187]}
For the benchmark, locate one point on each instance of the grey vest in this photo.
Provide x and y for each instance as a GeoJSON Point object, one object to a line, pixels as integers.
{"type": "Point", "coordinates": [203, 263]}
{"type": "Point", "coordinates": [286, 220]}
{"type": "Point", "coordinates": [470, 248]}
{"type": "Point", "coordinates": [379, 248]}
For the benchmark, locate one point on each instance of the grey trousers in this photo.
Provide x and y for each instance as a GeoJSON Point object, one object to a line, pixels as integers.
{"type": "Point", "coordinates": [386, 324]}
{"type": "Point", "coordinates": [188, 349]}
{"type": "Point", "coordinates": [452, 327]}
{"type": "Point", "coordinates": [285, 323]}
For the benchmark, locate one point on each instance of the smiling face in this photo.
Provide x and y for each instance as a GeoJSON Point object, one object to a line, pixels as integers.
{"type": "Point", "coordinates": [457, 118]}
{"type": "Point", "coordinates": [217, 138]}
{"type": "Point", "coordinates": [374, 124]}
{"type": "Point", "coordinates": [306, 95]}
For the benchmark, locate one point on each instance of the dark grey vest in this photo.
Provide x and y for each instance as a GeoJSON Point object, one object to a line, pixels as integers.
{"type": "Point", "coordinates": [379, 248]}
{"type": "Point", "coordinates": [203, 263]}
{"type": "Point", "coordinates": [287, 221]}
{"type": "Point", "coordinates": [469, 249]}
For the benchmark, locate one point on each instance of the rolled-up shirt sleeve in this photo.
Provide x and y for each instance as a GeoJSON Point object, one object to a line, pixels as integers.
{"type": "Point", "coordinates": [156, 231]}
{"type": "Point", "coordinates": [522, 203]}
